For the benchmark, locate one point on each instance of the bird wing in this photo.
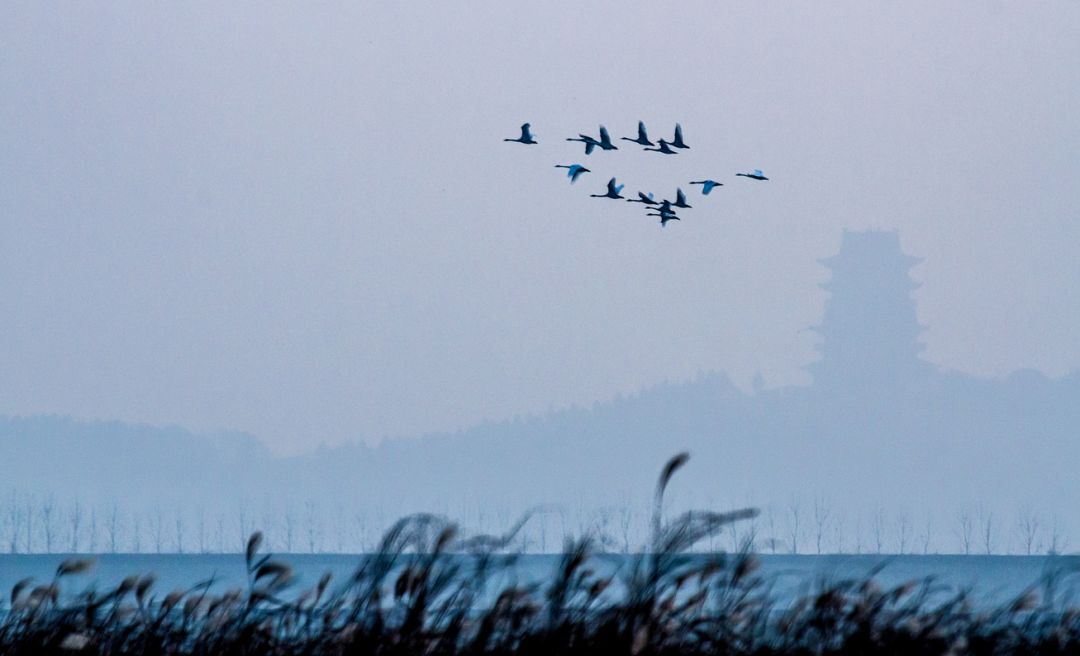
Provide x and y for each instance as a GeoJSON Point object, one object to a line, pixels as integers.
{"type": "Point", "coordinates": [678, 140]}
{"type": "Point", "coordinates": [758, 172]}
{"type": "Point", "coordinates": [589, 145]}
{"type": "Point", "coordinates": [604, 138]}
{"type": "Point", "coordinates": [525, 132]}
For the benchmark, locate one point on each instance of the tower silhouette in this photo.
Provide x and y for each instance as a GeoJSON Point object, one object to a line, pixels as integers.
{"type": "Point", "coordinates": [869, 333]}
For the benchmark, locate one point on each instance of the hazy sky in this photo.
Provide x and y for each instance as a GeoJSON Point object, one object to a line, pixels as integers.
{"type": "Point", "coordinates": [303, 222]}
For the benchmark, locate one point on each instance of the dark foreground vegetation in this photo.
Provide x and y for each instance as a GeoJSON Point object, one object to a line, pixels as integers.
{"type": "Point", "coordinates": [430, 591]}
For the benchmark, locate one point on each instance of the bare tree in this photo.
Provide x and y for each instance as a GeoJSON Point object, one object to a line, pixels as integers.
{"type": "Point", "coordinates": [242, 524]}
{"type": "Point", "coordinates": [879, 530]}
{"type": "Point", "coordinates": [858, 535]}
{"type": "Point", "coordinates": [564, 524]}
{"type": "Point", "coordinates": [114, 529]}
{"type": "Point", "coordinates": [594, 525]}
{"type": "Point", "coordinates": [76, 524]}
{"type": "Point", "coordinates": [964, 529]}
{"type": "Point", "coordinates": [4, 523]}
{"type": "Point", "coordinates": [92, 531]}
{"type": "Point", "coordinates": [179, 523]}
{"type": "Point", "coordinates": [821, 521]}
{"type": "Point", "coordinates": [201, 532]}
{"type": "Point", "coordinates": [1057, 541]}
{"type": "Point", "coordinates": [626, 518]}
{"type": "Point", "coordinates": [793, 524]}
{"type": "Point", "coordinates": [28, 516]}
{"type": "Point", "coordinates": [988, 532]}
{"type": "Point", "coordinates": [771, 541]}
{"type": "Point", "coordinates": [903, 531]}
{"type": "Point", "coordinates": [1028, 526]}
{"type": "Point", "coordinates": [311, 525]}
{"type": "Point", "coordinates": [136, 532]}
{"type": "Point", "coordinates": [364, 529]}
{"type": "Point", "coordinates": [268, 526]}
{"type": "Point", "coordinates": [340, 526]}
{"type": "Point", "coordinates": [219, 534]}
{"type": "Point", "coordinates": [750, 539]}
{"type": "Point", "coordinates": [838, 533]}
{"type": "Point", "coordinates": [48, 509]}
{"type": "Point", "coordinates": [157, 528]}
{"type": "Point", "coordinates": [290, 530]}
{"type": "Point", "coordinates": [926, 534]}
{"type": "Point", "coordinates": [14, 519]}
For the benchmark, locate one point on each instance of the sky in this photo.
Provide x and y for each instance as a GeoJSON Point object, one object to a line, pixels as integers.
{"type": "Point", "coordinates": [302, 222]}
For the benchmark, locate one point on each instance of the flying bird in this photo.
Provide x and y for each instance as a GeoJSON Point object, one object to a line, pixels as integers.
{"type": "Point", "coordinates": [526, 135]}
{"type": "Point", "coordinates": [680, 199]}
{"type": "Point", "coordinates": [665, 217]}
{"type": "Point", "coordinates": [643, 198]}
{"type": "Point", "coordinates": [665, 148]}
{"type": "Point", "coordinates": [707, 185]}
{"type": "Point", "coordinates": [665, 208]}
{"type": "Point", "coordinates": [756, 175]}
{"type": "Point", "coordinates": [612, 191]}
{"type": "Point", "coordinates": [605, 140]}
{"type": "Point", "coordinates": [589, 142]}
{"type": "Point", "coordinates": [642, 136]}
{"type": "Point", "coordinates": [574, 171]}
{"type": "Point", "coordinates": [678, 142]}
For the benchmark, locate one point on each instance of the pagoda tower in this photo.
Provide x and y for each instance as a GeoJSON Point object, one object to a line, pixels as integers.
{"type": "Point", "coordinates": [869, 334]}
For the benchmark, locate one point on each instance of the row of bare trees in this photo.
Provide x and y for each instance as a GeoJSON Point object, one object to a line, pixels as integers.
{"type": "Point", "coordinates": [820, 529]}
{"type": "Point", "coordinates": [30, 524]}
{"type": "Point", "coordinates": [36, 524]}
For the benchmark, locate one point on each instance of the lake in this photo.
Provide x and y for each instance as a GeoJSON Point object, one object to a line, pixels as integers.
{"type": "Point", "coordinates": [992, 579]}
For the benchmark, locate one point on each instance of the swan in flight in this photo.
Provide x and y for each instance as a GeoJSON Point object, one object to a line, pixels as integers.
{"type": "Point", "coordinates": [573, 171]}
{"type": "Point", "coordinates": [707, 185]}
{"type": "Point", "coordinates": [526, 135]}
{"type": "Point", "coordinates": [642, 197]}
{"type": "Point", "coordinates": [665, 148]}
{"type": "Point", "coordinates": [664, 217]}
{"type": "Point", "coordinates": [678, 142]}
{"type": "Point", "coordinates": [604, 142]}
{"type": "Point", "coordinates": [680, 199]}
{"type": "Point", "coordinates": [612, 191]}
{"type": "Point", "coordinates": [642, 136]}
{"type": "Point", "coordinates": [589, 142]}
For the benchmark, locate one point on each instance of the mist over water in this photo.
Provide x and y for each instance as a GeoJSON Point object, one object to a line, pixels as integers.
{"type": "Point", "coordinates": [882, 453]}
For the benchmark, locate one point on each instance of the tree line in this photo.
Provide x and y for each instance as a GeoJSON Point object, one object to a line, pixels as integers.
{"type": "Point", "coordinates": [42, 524]}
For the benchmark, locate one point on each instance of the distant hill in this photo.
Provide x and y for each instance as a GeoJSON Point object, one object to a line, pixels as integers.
{"type": "Point", "coordinates": [882, 447]}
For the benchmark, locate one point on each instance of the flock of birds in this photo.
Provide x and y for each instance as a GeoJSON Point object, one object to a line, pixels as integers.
{"type": "Point", "coordinates": [664, 208]}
